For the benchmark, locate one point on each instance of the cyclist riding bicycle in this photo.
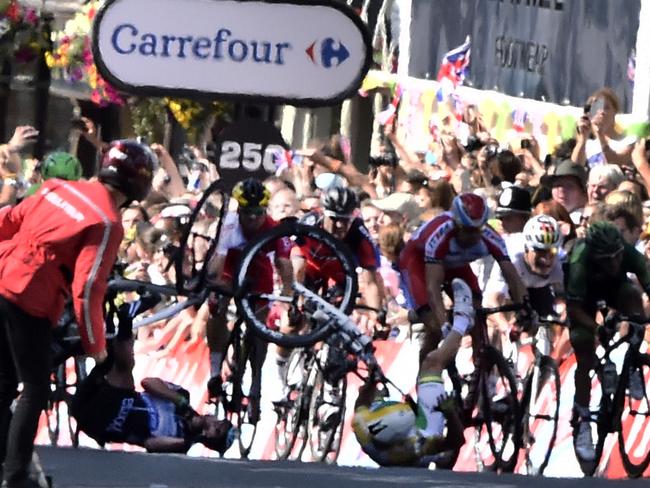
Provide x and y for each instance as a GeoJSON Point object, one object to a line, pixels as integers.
{"type": "Point", "coordinates": [441, 250]}
{"type": "Point", "coordinates": [250, 221]}
{"type": "Point", "coordinates": [598, 271]}
{"type": "Point", "coordinates": [313, 262]}
{"type": "Point", "coordinates": [534, 254]}
{"type": "Point", "coordinates": [316, 267]}
{"type": "Point", "coordinates": [392, 433]}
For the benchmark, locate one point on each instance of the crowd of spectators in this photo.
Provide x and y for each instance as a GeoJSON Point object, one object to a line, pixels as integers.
{"type": "Point", "coordinates": [599, 174]}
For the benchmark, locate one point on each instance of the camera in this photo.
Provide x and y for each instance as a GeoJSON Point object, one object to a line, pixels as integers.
{"type": "Point", "coordinates": [473, 144]}
{"type": "Point", "coordinates": [383, 160]}
{"type": "Point", "coordinates": [525, 143]}
{"type": "Point", "coordinates": [491, 151]}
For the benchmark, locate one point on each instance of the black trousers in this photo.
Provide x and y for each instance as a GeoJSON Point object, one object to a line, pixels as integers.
{"type": "Point", "coordinates": [25, 343]}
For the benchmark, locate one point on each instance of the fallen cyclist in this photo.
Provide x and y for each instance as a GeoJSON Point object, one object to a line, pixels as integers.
{"type": "Point", "coordinates": [108, 408]}
{"type": "Point", "coordinates": [400, 434]}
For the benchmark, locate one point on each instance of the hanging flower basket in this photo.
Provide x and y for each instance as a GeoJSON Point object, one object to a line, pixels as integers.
{"type": "Point", "coordinates": [21, 37]}
{"type": "Point", "coordinates": [71, 58]}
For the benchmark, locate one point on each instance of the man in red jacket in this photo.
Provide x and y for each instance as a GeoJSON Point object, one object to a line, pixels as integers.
{"type": "Point", "coordinates": [61, 242]}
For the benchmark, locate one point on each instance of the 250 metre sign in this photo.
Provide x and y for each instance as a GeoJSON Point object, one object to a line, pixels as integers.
{"type": "Point", "coordinates": [248, 149]}
{"type": "Point", "coordinates": [302, 52]}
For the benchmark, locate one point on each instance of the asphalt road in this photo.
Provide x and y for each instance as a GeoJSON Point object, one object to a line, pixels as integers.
{"type": "Point", "coordinates": [87, 468]}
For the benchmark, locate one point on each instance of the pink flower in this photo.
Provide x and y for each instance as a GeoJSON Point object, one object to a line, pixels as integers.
{"type": "Point", "coordinates": [31, 17]}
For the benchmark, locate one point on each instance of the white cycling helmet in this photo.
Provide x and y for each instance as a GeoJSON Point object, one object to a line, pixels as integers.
{"type": "Point", "coordinates": [389, 421]}
{"type": "Point", "coordinates": [541, 232]}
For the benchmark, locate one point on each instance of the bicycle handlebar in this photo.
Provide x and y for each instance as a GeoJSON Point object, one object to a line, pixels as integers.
{"type": "Point", "coordinates": [138, 286]}
{"type": "Point", "coordinates": [511, 307]}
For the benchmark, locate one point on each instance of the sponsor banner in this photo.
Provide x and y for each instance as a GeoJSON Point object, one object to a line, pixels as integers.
{"type": "Point", "coordinates": [298, 52]}
{"type": "Point", "coordinates": [187, 364]}
{"type": "Point", "coordinates": [552, 50]}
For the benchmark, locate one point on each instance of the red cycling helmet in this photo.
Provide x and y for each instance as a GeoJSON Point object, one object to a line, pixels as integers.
{"type": "Point", "coordinates": [469, 210]}
{"type": "Point", "coordinates": [128, 166]}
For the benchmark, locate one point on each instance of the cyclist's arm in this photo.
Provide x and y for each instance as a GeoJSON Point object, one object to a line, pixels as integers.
{"type": "Point", "coordinates": [455, 431]}
{"type": "Point", "coordinates": [435, 275]}
{"type": "Point", "coordinates": [638, 265]}
{"type": "Point", "coordinates": [166, 444]}
{"type": "Point", "coordinates": [298, 263]}
{"type": "Point", "coordinates": [372, 292]}
{"type": "Point", "coordinates": [162, 389]}
{"type": "Point", "coordinates": [285, 270]}
{"type": "Point", "coordinates": [518, 291]}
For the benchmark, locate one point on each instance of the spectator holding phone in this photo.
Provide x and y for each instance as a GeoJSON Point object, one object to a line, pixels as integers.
{"type": "Point", "coordinates": [598, 142]}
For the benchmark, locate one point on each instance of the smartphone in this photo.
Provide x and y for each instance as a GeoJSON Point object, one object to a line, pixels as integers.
{"type": "Point", "coordinates": [586, 109]}
{"type": "Point", "coordinates": [598, 105]}
{"type": "Point", "coordinates": [525, 143]}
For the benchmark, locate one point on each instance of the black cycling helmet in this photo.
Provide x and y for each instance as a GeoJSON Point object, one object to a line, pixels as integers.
{"type": "Point", "coordinates": [339, 202]}
{"type": "Point", "coordinates": [604, 240]}
{"type": "Point", "coordinates": [251, 193]}
{"type": "Point", "coordinates": [128, 166]}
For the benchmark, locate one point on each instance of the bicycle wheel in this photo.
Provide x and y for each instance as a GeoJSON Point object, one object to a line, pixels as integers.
{"type": "Point", "coordinates": [291, 414]}
{"type": "Point", "coordinates": [498, 423]}
{"type": "Point", "coordinates": [326, 418]}
{"type": "Point", "coordinates": [248, 302]}
{"type": "Point", "coordinates": [199, 240]}
{"type": "Point", "coordinates": [634, 415]}
{"type": "Point", "coordinates": [541, 412]}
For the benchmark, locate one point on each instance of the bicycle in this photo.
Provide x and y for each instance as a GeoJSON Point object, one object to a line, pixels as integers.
{"type": "Point", "coordinates": [315, 385]}
{"type": "Point", "coordinates": [617, 402]}
{"type": "Point", "coordinates": [62, 389]}
{"type": "Point", "coordinates": [496, 423]}
{"type": "Point", "coordinates": [540, 399]}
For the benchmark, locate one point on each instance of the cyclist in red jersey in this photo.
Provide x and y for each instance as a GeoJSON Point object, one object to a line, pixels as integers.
{"type": "Point", "coordinates": [441, 250]}
{"type": "Point", "coordinates": [250, 221]}
{"type": "Point", "coordinates": [61, 242]}
{"type": "Point", "coordinates": [314, 263]}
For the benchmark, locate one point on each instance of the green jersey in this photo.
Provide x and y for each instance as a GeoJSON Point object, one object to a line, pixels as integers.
{"type": "Point", "coordinates": [585, 281]}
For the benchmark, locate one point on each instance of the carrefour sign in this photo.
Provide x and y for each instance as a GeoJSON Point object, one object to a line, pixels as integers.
{"type": "Point", "coordinates": [303, 53]}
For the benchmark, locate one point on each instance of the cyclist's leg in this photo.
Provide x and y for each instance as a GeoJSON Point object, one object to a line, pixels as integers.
{"type": "Point", "coordinates": [217, 333]}
{"type": "Point", "coordinates": [430, 386]}
{"type": "Point", "coordinates": [466, 274]}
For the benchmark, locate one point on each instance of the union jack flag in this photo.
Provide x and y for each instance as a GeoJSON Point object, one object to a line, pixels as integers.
{"type": "Point", "coordinates": [388, 115]}
{"type": "Point", "coordinates": [519, 118]}
{"type": "Point", "coordinates": [455, 64]}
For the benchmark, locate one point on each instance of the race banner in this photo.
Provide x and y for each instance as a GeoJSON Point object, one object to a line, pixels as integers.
{"type": "Point", "coordinates": [556, 51]}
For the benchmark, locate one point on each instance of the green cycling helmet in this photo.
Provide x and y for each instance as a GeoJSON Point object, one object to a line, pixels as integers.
{"type": "Point", "coordinates": [60, 165]}
{"type": "Point", "coordinates": [604, 239]}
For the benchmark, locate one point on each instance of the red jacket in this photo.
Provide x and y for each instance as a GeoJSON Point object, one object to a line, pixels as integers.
{"type": "Point", "coordinates": [62, 240]}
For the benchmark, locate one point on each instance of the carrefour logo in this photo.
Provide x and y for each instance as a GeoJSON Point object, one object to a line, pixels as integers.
{"type": "Point", "coordinates": [304, 53]}
{"type": "Point", "coordinates": [127, 39]}
{"type": "Point", "coordinates": [327, 53]}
